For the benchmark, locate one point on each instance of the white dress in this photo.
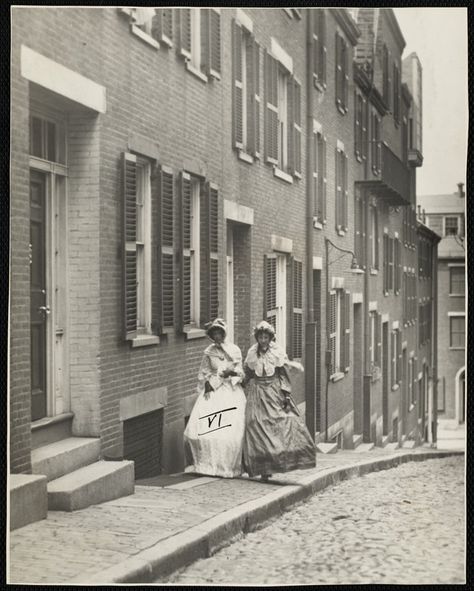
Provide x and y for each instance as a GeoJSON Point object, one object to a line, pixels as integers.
{"type": "Point", "coordinates": [213, 437]}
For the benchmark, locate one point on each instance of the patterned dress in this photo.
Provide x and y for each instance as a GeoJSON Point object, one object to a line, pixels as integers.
{"type": "Point", "coordinates": [276, 439]}
{"type": "Point", "coordinates": [214, 434]}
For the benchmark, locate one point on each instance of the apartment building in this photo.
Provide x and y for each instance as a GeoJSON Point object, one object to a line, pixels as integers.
{"type": "Point", "coordinates": [173, 165]}
{"type": "Point", "coordinates": [445, 215]}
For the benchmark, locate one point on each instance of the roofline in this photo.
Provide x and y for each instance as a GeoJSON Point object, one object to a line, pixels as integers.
{"type": "Point", "coordinates": [392, 20]}
{"type": "Point", "coordinates": [347, 23]}
{"type": "Point", "coordinates": [420, 227]}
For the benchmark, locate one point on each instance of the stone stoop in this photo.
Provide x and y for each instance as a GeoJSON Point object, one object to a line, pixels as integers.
{"type": "Point", "coordinates": [357, 440]}
{"type": "Point", "coordinates": [92, 484]}
{"type": "Point", "coordinates": [62, 457]}
{"type": "Point", "coordinates": [393, 445]}
{"type": "Point", "coordinates": [384, 441]}
{"type": "Point", "coordinates": [409, 444]}
{"type": "Point", "coordinates": [28, 499]}
{"type": "Point", "coordinates": [363, 447]}
{"type": "Point", "coordinates": [326, 448]}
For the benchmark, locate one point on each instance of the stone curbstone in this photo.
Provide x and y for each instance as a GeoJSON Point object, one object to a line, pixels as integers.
{"type": "Point", "coordinates": [203, 540]}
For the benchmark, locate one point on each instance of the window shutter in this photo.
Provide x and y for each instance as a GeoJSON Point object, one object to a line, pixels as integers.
{"type": "Point", "coordinates": [316, 15]}
{"type": "Point", "coordinates": [338, 69]}
{"type": "Point", "coordinates": [162, 26]}
{"type": "Point", "coordinates": [237, 85]}
{"type": "Point", "coordinates": [385, 263]}
{"type": "Point", "coordinates": [345, 191]}
{"type": "Point", "coordinates": [323, 178]}
{"type": "Point", "coordinates": [378, 339]}
{"type": "Point", "coordinates": [166, 243]}
{"type": "Point", "coordinates": [130, 245]}
{"type": "Point", "coordinates": [184, 22]}
{"type": "Point", "coordinates": [209, 254]}
{"type": "Point", "coordinates": [399, 356]}
{"type": "Point", "coordinates": [358, 229]}
{"type": "Point", "coordinates": [290, 93]}
{"type": "Point", "coordinates": [347, 331]}
{"type": "Point", "coordinates": [332, 331]}
{"type": "Point", "coordinates": [253, 97]}
{"type": "Point", "coordinates": [297, 127]}
{"type": "Point", "coordinates": [338, 191]}
{"type": "Point", "coordinates": [391, 262]}
{"type": "Point", "coordinates": [378, 145]}
{"type": "Point", "coordinates": [316, 175]}
{"type": "Point", "coordinates": [365, 125]}
{"type": "Point", "coordinates": [322, 45]}
{"type": "Point", "coordinates": [357, 125]}
{"type": "Point", "coordinates": [297, 308]}
{"type": "Point", "coordinates": [185, 267]}
{"type": "Point", "coordinates": [376, 238]}
{"type": "Point", "coordinates": [345, 65]}
{"type": "Point", "coordinates": [269, 289]}
{"type": "Point", "coordinates": [214, 43]}
{"type": "Point", "coordinates": [271, 109]}
{"type": "Point", "coordinates": [393, 358]}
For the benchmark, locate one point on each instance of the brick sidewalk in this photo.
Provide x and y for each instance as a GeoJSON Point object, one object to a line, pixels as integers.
{"type": "Point", "coordinates": [83, 544]}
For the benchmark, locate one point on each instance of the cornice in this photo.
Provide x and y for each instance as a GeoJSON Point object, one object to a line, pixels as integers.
{"type": "Point", "coordinates": [348, 25]}
{"type": "Point", "coordinates": [393, 23]}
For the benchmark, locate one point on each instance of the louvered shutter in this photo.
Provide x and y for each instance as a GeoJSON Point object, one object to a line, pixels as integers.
{"type": "Point", "coordinates": [316, 175]}
{"type": "Point", "coordinates": [339, 216]}
{"type": "Point", "coordinates": [185, 267]}
{"type": "Point", "coordinates": [209, 254]}
{"type": "Point", "coordinates": [130, 245]}
{"type": "Point", "coordinates": [322, 45]}
{"type": "Point", "coordinates": [323, 178]}
{"type": "Point", "coordinates": [184, 22]}
{"type": "Point", "coordinates": [269, 289]}
{"type": "Point", "coordinates": [332, 330]}
{"type": "Point", "coordinates": [357, 125]}
{"type": "Point", "coordinates": [358, 226]}
{"type": "Point", "coordinates": [205, 39]}
{"type": "Point", "coordinates": [378, 145]}
{"type": "Point", "coordinates": [214, 30]}
{"type": "Point", "coordinates": [315, 15]}
{"type": "Point", "coordinates": [166, 243]}
{"type": "Point", "coordinates": [338, 70]}
{"type": "Point", "coordinates": [290, 96]}
{"type": "Point", "coordinates": [378, 339]}
{"type": "Point", "coordinates": [393, 358]}
{"type": "Point", "coordinates": [345, 65]}
{"type": "Point", "coordinates": [162, 25]}
{"type": "Point", "coordinates": [254, 133]}
{"type": "Point", "coordinates": [297, 308]}
{"type": "Point", "coordinates": [237, 85]}
{"type": "Point", "coordinates": [271, 109]}
{"type": "Point", "coordinates": [297, 127]}
{"type": "Point", "coordinates": [385, 263]}
{"type": "Point", "coordinates": [386, 82]}
{"type": "Point", "coordinates": [347, 332]}
{"type": "Point", "coordinates": [399, 356]}
{"type": "Point", "coordinates": [345, 192]}
{"type": "Point", "coordinates": [365, 126]}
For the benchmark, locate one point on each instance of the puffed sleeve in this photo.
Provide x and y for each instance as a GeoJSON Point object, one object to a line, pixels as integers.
{"type": "Point", "coordinates": [204, 374]}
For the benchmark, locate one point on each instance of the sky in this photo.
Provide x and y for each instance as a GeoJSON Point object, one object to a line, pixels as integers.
{"type": "Point", "coordinates": [439, 37]}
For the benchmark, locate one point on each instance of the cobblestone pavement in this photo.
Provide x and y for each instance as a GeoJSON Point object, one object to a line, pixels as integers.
{"type": "Point", "coordinates": [400, 526]}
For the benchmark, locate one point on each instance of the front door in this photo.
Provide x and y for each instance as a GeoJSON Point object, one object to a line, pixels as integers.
{"type": "Point", "coordinates": [385, 385]}
{"type": "Point", "coordinates": [39, 310]}
{"type": "Point", "coordinates": [463, 397]}
{"type": "Point", "coordinates": [230, 283]}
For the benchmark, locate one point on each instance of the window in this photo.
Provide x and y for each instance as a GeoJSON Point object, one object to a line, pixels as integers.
{"type": "Point", "coordinates": [319, 178]}
{"type": "Point", "coordinates": [137, 268]}
{"type": "Point", "coordinates": [199, 252]}
{"type": "Point", "coordinates": [200, 40]}
{"type": "Point", "coordinates": [47, 139]}
{"type": "Point", "coordinates": [409, 227]}
{"type": "Point", "coordinates": [396, 357]}
{"type": "Point", "coordinates": [424, 323]}
{"type": "Point", "coordinates": [283, 277]}
{"type": "Point", "coordinates": [342, 74]}
{"type": "Point", "coordinates": [451, 226]}
{"type": "Point", "coordinates": [360, 127]}
{"type": "Point", "coordinates": [396, 94]}
{"type": "Point", "coordinates": [246, 97]}
{"type": "Point", "coordinates": [387, 82]}
{"type": "Point", "coordinates": [457, 331]}
{"type": "Point", "coordinates": [374, 237]}
{"type": "Point", "coordinates": [359, 226]}
{"type": "Point", "coordinates": [376, 145]}
{"type": "Point", "coordinates": [339, 332]}
{"type": "Point", "coordinates": [319, 47]}
{"type": "Point", "coordinates": [341, 190]}
{"type": "Point", "coordinates": [411, 380]}
{"type": "Point", "coordinates": [153, 25]}
{"type": "Point", "coordinates": [397, 264]}
{"type": "Point", "coordinates": [409, 298]}
{"type": "Point", "coordinates": [457, 281]}
{"type": "Point", "coordinates": [282, 119]}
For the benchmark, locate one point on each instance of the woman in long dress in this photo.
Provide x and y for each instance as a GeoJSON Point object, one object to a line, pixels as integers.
{"type": "Point", "coordinates": [214, 434]}
{"type": "Point", "coordinates": [276, 438]}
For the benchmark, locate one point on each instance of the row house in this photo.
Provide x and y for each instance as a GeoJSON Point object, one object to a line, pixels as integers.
{"type": "Point", "coordinates": [173, 165]}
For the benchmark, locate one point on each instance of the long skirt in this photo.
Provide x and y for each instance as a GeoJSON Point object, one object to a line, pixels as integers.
{"type": "Point", "coordinates": [276, 440]}
{"type": "Point", "coordinates": [214, 434]}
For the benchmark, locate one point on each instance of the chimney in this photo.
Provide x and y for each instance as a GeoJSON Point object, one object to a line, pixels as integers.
{"type": "Point", "coordinates": [419, 212]}
{"type": "Point", "coordinates": [424, 216]}
{"type": "Point", "coordinates": [461, 192]}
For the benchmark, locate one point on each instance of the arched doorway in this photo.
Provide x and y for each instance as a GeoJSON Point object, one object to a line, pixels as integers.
{"type": "Point", "coordinates": [460, 391]}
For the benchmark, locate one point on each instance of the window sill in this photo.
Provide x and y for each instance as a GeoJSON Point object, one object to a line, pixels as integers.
{"type": "Point", "coordinates": [144, 36]}
{"type": "Point", "coordinates": [196, 72]}
{"type": "Point", "coordinates": [145, 340]}
{"type": "Point", "coordinates": [374, 271]}
{"type": "Point", "coordinates": [318, 225]}
{"type": "Point", "coordinates": [457, 295]}
{"type": "Point", "coordinates": [321, 86]}
{"type": "Point", "coordinates": [284, 176]}
{"type": "Point", "coordinates": [412, 406]}
{"type": "Point", "coordinates": [341, 109]}
{"type": "Point", "coordinates": [395, 387]}
{"type": "Point", "coordinates": [341, 232]}
{"type": "Point", "coordinates": [457, 348]}
{"type": "Point", "coordinates": [336, 377]}
{"type": "Point", "coordinates": [245, 157]}
{"type": "Point", "coordinates": [194, 333]}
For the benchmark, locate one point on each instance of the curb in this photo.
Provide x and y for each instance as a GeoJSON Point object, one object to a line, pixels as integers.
{"type": "Point", "coordinates": [203, 540]}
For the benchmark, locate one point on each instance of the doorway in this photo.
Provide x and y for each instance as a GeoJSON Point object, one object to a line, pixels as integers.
{"type": "Point", "coordinates": [230, 282]}
{"type": "Point", "coordinates": [404, 391]}
{"type": "Point", "coordinates": [385, 384]}
{"type": "Point", "coordinates": [357, 360]}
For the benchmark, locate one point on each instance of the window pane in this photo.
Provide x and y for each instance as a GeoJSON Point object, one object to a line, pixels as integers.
{"type": "Point", "coordinates": [50, 141]}
{"type": "Point", "coordinates": [457, 284]}
{"type": "Point", "coordinates": [36, 137]}
{"type": "Point", "coordinates": [450, 226]}
{"type": "Point", "coordinates": [457, 331]}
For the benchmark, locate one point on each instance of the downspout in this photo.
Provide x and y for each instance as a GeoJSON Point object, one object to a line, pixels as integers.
{"type": "Point", "coordinates": [434, 346]}
{"type": "Point", "coordinates": [310, 332]}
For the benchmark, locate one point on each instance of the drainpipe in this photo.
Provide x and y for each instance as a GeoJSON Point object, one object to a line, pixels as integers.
{"type": "Point", "coordinates": [434, 346]}
{"type": "Point", "coordinates": [310, 332]}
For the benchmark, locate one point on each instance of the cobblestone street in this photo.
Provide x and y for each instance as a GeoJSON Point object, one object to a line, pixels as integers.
{"type": "Point", "coordinates": [400, 526]}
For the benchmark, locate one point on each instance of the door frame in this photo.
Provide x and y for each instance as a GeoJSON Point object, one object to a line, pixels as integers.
{"type": "Point", "coordinates": [458, 393]}
{"type": "Point", "coordinates": [385, 382]}
{"type": "Point", "coordinates": [230, 282]}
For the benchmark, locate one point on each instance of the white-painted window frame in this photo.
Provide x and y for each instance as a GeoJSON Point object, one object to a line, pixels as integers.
{"type": "Point", "coordinates": [195, 251]}
{"type": "Point", "coordinates": [281, 300]}
{"type": "Point", "coordinates": [143, 246]}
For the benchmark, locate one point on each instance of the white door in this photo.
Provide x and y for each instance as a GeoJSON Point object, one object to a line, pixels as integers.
{"type": "Point", "coordinates": [281, 301]}
{"type": "Point", "coordinates": [230, 284]}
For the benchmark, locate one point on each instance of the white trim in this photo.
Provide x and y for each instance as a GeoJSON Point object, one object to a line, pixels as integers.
{"type": "Point", "coordinates": [337, 376]}
{"type": "Point", "coordinates": [317, 127]}
{"type": "Point", "coordinates": [282, 175]}
{"type": "Point", "coordinates": [337, 283]}
{"type": "Point", "coordinates": [143, 340]}
{"type": "Point", "coordinates": [244, 20]}
{"type": "Point", "coordinates": [245, 157]}
{"type": "Point", "coordinates": [281, 244]}
{"type": "Point", "coordinates": [196, 72]}
{"type": "Point", "coordinates": [457, 392]}
{"type": "Point", "coordinates": [280, 54]}
{"type": "Point", "coordinates": [456, 313]}
{"type": "Point", "coordinates": [317, 263]}
{"type": "Point", "coordinates": [385, 230]}
{"type": "Point", "coordinates": [385, 318]}
{"type": "Point", "coordinates": [144, 36]}
{"type": "Point", "coordinates": [61, 80]}
{"type": "Point", "coordinates": [456, 265]}
{"type": "Point", "coordinates": [238, 213]}
{"type": "Point", "coordinates": [357, 298]}
{"type": "Point", "coordinates": [340, 145]}
{"type": "Point", "coordinates": [396, 325]}
{"type": "Point", "coordinates": [135, 405]}
{"type": "Point", "coordinates": [373, 306]}
{"type": "Point", "coordinates": [194, 333]}
{"type": "Point", "coordinates": [396, 234]}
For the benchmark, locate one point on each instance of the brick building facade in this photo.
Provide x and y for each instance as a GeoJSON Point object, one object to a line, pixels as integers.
{"type": "Point", "coordinates": [173, 165]}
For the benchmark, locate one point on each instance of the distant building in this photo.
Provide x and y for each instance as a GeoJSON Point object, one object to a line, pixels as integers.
{"type": "Point", "coordinates": [445, 215]}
